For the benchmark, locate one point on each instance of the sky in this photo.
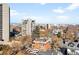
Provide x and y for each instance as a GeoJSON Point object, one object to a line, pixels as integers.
{"type": "Point", "coordinates": [51, 13]}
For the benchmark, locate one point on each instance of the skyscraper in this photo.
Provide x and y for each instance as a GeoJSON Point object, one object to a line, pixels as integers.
{"type": "Point", "coordinates": [27, 27]}
{"type": "Point", "coordinates": [4, 23]}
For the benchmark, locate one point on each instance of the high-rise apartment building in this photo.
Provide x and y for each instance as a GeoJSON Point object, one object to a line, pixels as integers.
{"type": "Point", "coordinates": [4, 23]}
{"type": "Point", "coordinates": [28, 27]}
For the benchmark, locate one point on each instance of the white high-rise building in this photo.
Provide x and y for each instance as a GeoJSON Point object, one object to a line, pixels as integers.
{"type": "Point", "coordinates": [4, 23]}
{"type": "Point", "coordinates": [27, 27]}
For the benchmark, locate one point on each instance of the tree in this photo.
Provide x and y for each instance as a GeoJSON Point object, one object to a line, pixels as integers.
{"type": "Point", "coordinates": [36, 32]}
{"type": "Point", "coordinates": [59, 34]}
{"type": "Point", "coordinates": [65, 30]}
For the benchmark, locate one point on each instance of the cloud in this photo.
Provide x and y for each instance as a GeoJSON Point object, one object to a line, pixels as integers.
{"type": "Point", "coordinates": [62, 17]}
{"type": "Point", "coordinates": [43, 3]}
{"type": "Point", "coordinates": [69, 8]}
{"type": "Point", "coordinates": [73, 6]}
{"type": "Point", "coordinates": [37, 18]}
{"type": "Point", "coordinates": [13, 13]}
{"type": "Point", "coordinates": [58, 10]}
{"type": "Point", "coordinates": [20, 16]}
{"type": "Point", "coordinates": [33, 17]}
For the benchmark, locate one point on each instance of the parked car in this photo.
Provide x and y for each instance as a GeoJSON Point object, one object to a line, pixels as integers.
{"type": "Point", "coordinates": [35, 51]}
{"type": "Point", "coordinates": [69, 51]}
{"type": "Point", "coordinates": [77, 52]}
{"type": "Point", "coordinates": [75, 40]}
{"type": "Point", "coordinates": [78, 45]}
{"type": "Point", "coordinates": [71, 44]}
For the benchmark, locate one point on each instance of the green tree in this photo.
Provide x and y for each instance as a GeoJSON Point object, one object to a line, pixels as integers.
{"type": "Point", "coordinates": [59, 34]}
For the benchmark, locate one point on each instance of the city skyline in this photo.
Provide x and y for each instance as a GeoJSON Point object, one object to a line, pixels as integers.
{"type": "Point", "coordinates": [35, 30]}
{"type": "Point", "coordinates": [53, 13]}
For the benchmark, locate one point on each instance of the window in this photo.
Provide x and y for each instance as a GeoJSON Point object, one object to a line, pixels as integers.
{"type": "Point", "coordinates": [1, 22]}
